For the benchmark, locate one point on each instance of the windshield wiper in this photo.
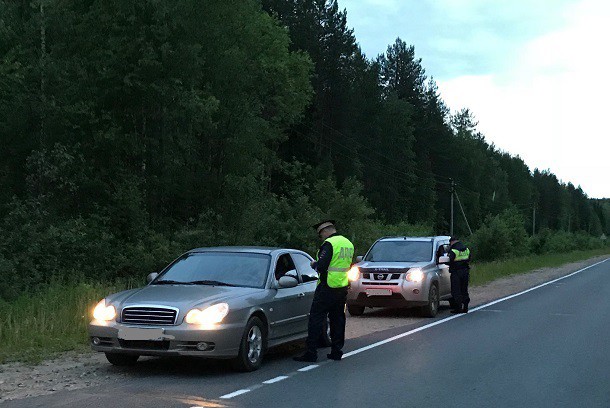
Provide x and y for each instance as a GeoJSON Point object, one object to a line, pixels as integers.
{"type": "Point", "coordinates": [211, 282]}
{"type": "Point", "coordinates": [171, 282]}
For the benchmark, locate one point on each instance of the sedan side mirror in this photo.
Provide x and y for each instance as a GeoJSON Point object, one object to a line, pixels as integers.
{"type": "Point", "coordinates": [151, 277]}
{"type": "Point", "coordinates": [288, 282]}
{"type": "Point", "coordinates": [359, 258]}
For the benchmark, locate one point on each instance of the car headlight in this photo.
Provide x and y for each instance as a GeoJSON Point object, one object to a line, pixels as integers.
{"type": "Point", "coordinates": [415, 275]}
{"type": "Point", "coordinates": [208, 316]}
{"type": "Point", "coordinates": [103, 312]}
{"type": "Point", "coordinates": [353, 274]}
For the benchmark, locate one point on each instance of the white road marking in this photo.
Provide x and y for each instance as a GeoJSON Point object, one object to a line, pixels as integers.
{"type": "Point", "coordinates": [410, 332]}
{"type": "Point", "coordinates": [309, 367]}
{"type": "Point", "coordinates": [427, 326]}
{"type": "Point", "coordinates": [276, 379]}
{"type": "Point", "coordinates": [234, 394]}
{"type": "Point", "coordinates": [492, 310]}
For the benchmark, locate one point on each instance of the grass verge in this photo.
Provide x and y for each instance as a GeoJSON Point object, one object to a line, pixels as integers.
{"type": "Point", "coordinates": [33, 328]}
{"type": "Point", "coordinates": [485, 272]}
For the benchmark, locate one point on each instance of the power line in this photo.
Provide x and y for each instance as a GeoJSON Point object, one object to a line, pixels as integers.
{"type": "Point", "coordinates": [463, 213]}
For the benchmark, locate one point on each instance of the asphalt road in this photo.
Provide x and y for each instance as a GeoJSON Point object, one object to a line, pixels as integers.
{"type": "Point", "coordinates": [547, 347]}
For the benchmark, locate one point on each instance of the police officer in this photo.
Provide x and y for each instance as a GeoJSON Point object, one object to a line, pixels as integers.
{"type": "Point", "coordinates": [459, 268]}
{"type": "Point", "coordinates": [333, 262]}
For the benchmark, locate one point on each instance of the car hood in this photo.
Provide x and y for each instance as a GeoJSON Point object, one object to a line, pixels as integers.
{"type": "Point", "coordinates": [391, 266]}
{"type": "Point", "coordinates": [179, 296]}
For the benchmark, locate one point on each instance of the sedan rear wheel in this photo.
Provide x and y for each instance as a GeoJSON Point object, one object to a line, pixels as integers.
{"type": "Point", "coordinates": [431, 309]}
{"type": "Point", "coordinates": [252, 346]}
{"type": "Point", "coordinates": [325, 341]}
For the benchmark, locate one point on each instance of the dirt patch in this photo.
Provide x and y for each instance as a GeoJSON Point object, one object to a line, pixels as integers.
{"type": "Point", "coordinates": [73, 371]}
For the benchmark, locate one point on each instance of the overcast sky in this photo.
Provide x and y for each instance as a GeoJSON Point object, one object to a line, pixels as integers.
{"type": "Point", "coordinates": [535, 73]}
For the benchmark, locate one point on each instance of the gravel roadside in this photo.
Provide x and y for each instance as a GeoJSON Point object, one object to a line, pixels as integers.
{"type": "Point", "coordinates": [72, 370]}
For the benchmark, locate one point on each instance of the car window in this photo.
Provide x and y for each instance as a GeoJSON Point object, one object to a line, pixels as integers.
{"type": "Point", "coordinates": [308, 274]}
{"type": "Point", "coordinates": [285, 266]}
{"type": "Point", "coordinates": [400, 251]}
{"type": "Point", "coordinates": [443, 249]}
{"type": "Point", "coordinates": [230, 268]}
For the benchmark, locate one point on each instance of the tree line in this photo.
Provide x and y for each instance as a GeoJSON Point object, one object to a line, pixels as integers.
{"type": "Point", "coordinates": [131, 131]}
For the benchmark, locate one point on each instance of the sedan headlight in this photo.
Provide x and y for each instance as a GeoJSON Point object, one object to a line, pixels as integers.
{"type": "Point", "coordinates": [353, 274]}
{"type": "Point", "coordinates": [103, 312]}
{"type": "Point", "coordinates": [208, 316]}
{"type": "Point", "coordinates": [415, 275]}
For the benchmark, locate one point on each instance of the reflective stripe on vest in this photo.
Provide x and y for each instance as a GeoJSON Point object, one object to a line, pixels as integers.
{"type": "Point", "coordinates": [343, 253]}
{"type": "Point", "coordinates": [461, 255]}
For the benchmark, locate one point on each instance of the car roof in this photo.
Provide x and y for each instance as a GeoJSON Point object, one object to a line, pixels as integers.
{"type": "Point", "coordinates": [405, 238]}
{"type": "Point", "coordinates": [242, 249]}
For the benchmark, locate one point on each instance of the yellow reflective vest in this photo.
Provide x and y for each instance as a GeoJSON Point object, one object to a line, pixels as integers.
{"type": "Point", "coordinates": [343, 253]}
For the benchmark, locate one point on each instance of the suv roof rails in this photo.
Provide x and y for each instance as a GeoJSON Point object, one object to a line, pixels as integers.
{"type": "Point", "coordinates": [407, 236]}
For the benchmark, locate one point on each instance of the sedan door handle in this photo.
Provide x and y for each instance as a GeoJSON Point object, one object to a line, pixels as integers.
{"type": "Point", "coordinates": [301, 295]}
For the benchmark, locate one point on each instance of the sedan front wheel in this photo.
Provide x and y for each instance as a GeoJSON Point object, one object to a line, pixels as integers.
{"type": "Point", "coordinates": [252, 346]}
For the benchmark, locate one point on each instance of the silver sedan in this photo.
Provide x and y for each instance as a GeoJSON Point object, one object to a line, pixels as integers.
{"type": "Point", "coordinates": [225, 302]}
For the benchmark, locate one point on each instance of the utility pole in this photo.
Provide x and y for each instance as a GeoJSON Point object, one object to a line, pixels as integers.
{"type": "Point", "coordinates": [534, 222]}
{"type": "Point", "coordinates": [452, 192]}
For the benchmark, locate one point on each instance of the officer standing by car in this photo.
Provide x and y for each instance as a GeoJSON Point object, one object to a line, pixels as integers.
{"type": "Point", "coordinates": [333, 262]}
{"type": "Point", "coordinates": [459, 268]}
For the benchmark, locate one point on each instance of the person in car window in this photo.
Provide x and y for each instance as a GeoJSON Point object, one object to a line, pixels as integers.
{"type": "Point", "coordinates": [333, 262]}
{"type": "Point", "coordinates": [459, 268]}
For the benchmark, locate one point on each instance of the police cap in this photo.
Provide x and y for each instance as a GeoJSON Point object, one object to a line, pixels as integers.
{"type": "Point", "coordinates": [321, 225]}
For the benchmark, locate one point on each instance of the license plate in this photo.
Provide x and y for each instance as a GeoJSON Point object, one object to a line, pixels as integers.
{"type": "Point", "coordinates": [379, 292]}
{"type": "Point", "coordinates": [138, 333]}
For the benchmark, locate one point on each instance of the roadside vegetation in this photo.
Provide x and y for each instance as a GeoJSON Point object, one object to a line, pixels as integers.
{"type": "Point", "coordinates": [485, 272]}
{"type": "Point", "coordinates": [34, 327]}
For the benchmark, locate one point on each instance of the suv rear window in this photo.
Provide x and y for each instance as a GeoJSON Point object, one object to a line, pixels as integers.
{"type": "Point", "coordinates": [400, 251]}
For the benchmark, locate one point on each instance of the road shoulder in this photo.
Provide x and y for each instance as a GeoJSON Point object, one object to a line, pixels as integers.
{"type": "Point", "coordinates": [71, 371]}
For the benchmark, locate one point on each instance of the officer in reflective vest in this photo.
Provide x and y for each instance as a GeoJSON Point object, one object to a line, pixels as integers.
{"type": "Point", "coordinates": [459, 268]}
{"type": "Point", "coordinates": [333, 262]}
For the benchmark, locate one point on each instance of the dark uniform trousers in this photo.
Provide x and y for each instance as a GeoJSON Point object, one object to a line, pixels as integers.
{"type": "Point", "coordinates": [327, 302]}
{"type": "Point", "coordinates": [459, 287]}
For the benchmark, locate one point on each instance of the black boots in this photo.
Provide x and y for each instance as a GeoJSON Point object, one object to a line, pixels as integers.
{"type": "Point", "coordinates": [460, 310]}
{"type": "Point", "coordinates": [335, 355]}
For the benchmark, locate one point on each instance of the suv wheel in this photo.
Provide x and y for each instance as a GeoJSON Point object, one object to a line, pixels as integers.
{"type": "Point", "coordinates": [431, 309]}
{"type": "Point", "coordinates": [355, 310]}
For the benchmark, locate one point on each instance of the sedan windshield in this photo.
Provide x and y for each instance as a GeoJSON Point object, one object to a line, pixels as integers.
{"type": "Point", "coordinates": [400, 251]}
{"type": "Point", "coordinates": [218, 269]}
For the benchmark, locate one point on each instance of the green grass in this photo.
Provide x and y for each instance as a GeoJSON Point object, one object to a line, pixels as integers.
{"type": "Point", "coordinates": [484, 272]}
{"type": "Point", "coordinates": [35, 327]}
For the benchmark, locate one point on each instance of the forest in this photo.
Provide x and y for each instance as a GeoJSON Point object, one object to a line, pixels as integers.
{"type": "Point", "coordinates": [133, 131]}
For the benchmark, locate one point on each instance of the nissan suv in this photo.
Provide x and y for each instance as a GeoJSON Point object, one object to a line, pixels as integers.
{"type": "Point", "coordinates": [402, 272]}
